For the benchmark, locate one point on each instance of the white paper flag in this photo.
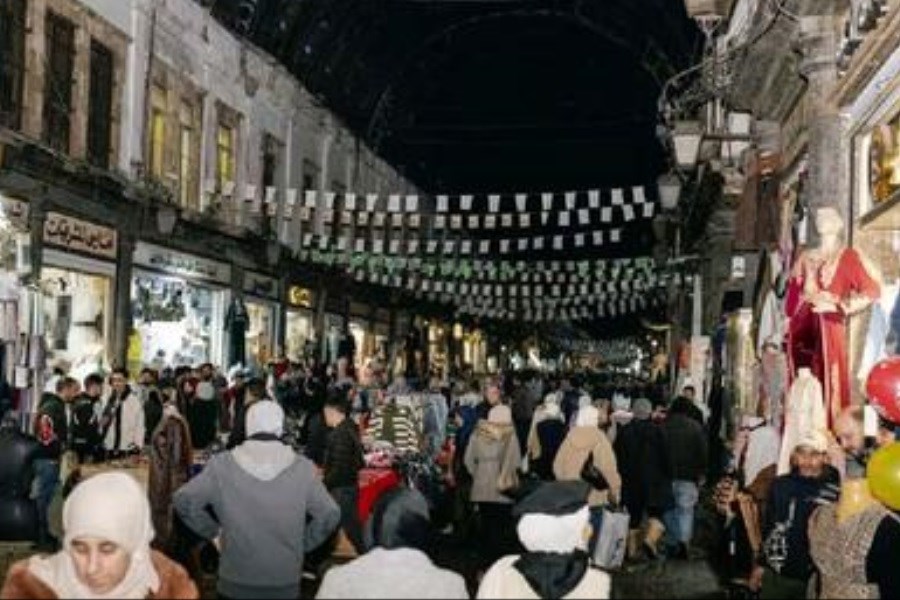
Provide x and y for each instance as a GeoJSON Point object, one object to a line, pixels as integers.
{"type": "Point", "coordinates": [506, 220]}
{"type": "Point", "coordinates": [466, 247]}
{"type": "Point", "coordinates": [504, 246]}
{"type": "Point", "coordinates": [378, 246]}
{"type": "Point", "coordinates": [412, 246]}
{"type": "Point", "coordinates": [412, 203]}
{"type": "Point", "coordinates": [523, 244]}
{"type": "Point", "coordinates": [473, 221]}
{"type": "Point", "coordinates": [525, 220]}
{"type": "Point", "coordinates": [465, 202]}
{"type": "Point", "coordinates": [494, 203]}
{"type": "Point", "coordinates": [360, 245]}
{"type": "Point", "coordinates": [362, 219]}
{"type": "Point", "coordinates": [606, 214]}
{"type": "Point", "coordinates": [443, 203]}
{"type": "Point", "coordinates": [456, 222]}
{"type": "Point", "coordinates": [329, 200]}
{"type": "Point", "coordinates": [557, 242]}
{"type": "Point", "coordinates": [615, 235]}
{"type": "Point", "coordinates": [394, 203]}
{"type": "Point", "coordinates": [349, 201]}
{"type": "Point", "coordinates": [584, 216]}
{"type": "Point", "coordinates": [449, 246]}
{"type": "Point", "coordinates": [307, 240]}
{"type": "Point", "coordinates": [371, 200]}
{"type": "Point", "coordinates": [570, 200]}
{"type": "Point", "coordinates": [539, 243]}
{"type": "Point", "coordinates": [649, 209]}
{"type": "Point", "coordinates": [432, 246]}
{"type": "Point", "coordinates": [379, 219]}
{"type": "Point", "coordinates": [490, 222]}
{"type": "Point", "coordinates": [618, 197]}
{"type": "Point", "coordinates": [579, 240]}
{"type": "Point", "coordinates": [440, 222]}
{"type": "Point", "coordinates": [594, 199]}
{"type": "Point", "coordinates": [309, 198]}
{"type": "Point", "coordinates": [637, 193]}
{"type": "Point", "coordinates": [521, 202]}
{"type": "Point", "coordinates": [291, 203]}
{"type": "Point", "coordinates": [545, 217]}
{"type": "Point", "coordinates": [547, 201]}
{"type": "Point", "coordinates": [628, 212]}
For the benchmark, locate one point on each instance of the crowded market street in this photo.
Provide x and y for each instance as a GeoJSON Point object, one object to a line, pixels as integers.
{"type": "Point", "coordinates": [455, 299]}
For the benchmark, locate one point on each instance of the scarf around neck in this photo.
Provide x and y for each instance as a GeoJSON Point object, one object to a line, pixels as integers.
{"type": "Point", "coordinates": [552, 575]}
{"type": "Point", "coordinates": [57, 572]}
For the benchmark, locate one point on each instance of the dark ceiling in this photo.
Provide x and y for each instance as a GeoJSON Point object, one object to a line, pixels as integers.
{"type": "Point", "coordinates": [477, 96]}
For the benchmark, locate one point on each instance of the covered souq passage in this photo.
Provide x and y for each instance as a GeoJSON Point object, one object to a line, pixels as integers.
{"type": "Point", "coordinates": [449, 298]}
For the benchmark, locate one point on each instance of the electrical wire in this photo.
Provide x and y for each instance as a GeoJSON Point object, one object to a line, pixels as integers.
{"type": "Point", "coordinates": [780, 7]}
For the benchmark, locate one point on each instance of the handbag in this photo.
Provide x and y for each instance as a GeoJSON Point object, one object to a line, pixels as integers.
{"type": "Point", "coordinates": [592, 475]}
{"type": "Point", "coordinates": [508, 479]}
{"type": "Point", "coordinates": [612, 542]}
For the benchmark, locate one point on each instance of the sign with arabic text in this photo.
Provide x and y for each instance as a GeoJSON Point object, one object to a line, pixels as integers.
{"type": "Point", "coordinates": [300, 296]}
{"type": "Point", "coordinates": [179, 263]}
{"type": "Point", "coordinates": [76, 235]}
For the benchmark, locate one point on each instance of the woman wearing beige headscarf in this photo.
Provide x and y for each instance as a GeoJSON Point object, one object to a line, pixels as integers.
{"type": "Point", "coordinates": [106, 551]}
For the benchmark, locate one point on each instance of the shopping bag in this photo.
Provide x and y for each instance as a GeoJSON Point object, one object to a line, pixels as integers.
{"type": "Point", "coordinates": [609, 553]}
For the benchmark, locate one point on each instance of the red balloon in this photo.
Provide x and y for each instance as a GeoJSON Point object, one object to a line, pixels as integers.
{"type": "Point", "coordinates": [883, 388]}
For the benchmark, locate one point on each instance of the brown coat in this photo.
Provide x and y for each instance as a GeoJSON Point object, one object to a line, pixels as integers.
{"type": "Point", "coordinates": [174, 582]}
{"type": "Point", "coordinates": [170, 463]}
{"type": "Point", "coordinates": [573, 453]}
{"type": "Point", "coordinates": [493, 449]}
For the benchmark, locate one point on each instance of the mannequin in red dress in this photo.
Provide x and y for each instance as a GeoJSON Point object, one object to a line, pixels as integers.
{"type": "Point", "coordinates": [835, 284]}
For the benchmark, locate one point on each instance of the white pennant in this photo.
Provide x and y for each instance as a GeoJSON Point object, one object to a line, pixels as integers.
{"type": "Point", "coordinates": [637, 193]}
{"type": "Point", "coordinates": [432, 246]}
{"type": "Point", "coordinates": [378, 246]}
{"type": "Point", "coordinates": [618, 197]}
{"type": "Point", "coordinates": [291, 203]}
{"type": "Point", "coordinates": [473, 221]}
{"type": "Point", "coordinates": [523, 244]}
{"type": "Point", "coordinates": [412, 246]}
{"type": "Point", "coordinates": [570, 200]}
{"type": "Point", "coordinates": [466, 247]}
{"type": "Point", "coordinates": [606, 214]}
{"type": "Point", "coordinates": [584, 216]}
{"type": "Point", "coordinates": [360, 245]}
{"type": "Point", "coordinates": [579, 240]}
{"type": "Point", "coordinates": [412, 203]}
{"type": "Point", "coordinates": [525, 220]}
{"type": "Point", "coordinates": [309, 198]}
{"type": "Point", "coordinates": [506, 220]}
{"type": "Point", "coordinates": [465, 202]}
{"type": "Point", "coordinates": [545, 217]}
{"type": "Point", "coordinates": [547, 200]}
{"type": "Point", "coordinates": [558, 242]}
{"type": "Point", "coordinates": [440, 222]}
{"type": "Point", "coordinates": [490, 222]}
{"type": "Point", "coordinates": [371, 200]}
{"type": "Point", "coordinates": [521, 202]}
{"type": "Point", "coordinates": [594, 199]}
{"type": "Point", "coordinates": [494, 203]}
{"type": "Point", "coordinates": [449, 246]}
{"type": "Point", "coordinates": [456, 222]}
{"type": "Point", "coordinates": [349, 201]}
{"type": "Point", "coordinates": [628, 212]}
{"type": "Point", "coordinates": [394, 203]}
{"type": "Point", "coordinates": [504, 246]}
{"type": "Point", "coordinates": [443, 203]}
{"type": "Point", "coordinates": [564, 219]}
{"type": "Point", "coordinates": [649, 209]}
{"type": "Point", "coordinates": [615, 235]}
{"type": "Point", "coordinates": [329, 201]}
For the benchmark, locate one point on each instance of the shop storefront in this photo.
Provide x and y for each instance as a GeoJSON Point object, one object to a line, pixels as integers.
{"type": "Point", "coordinates": [875, 224]}
{"type": "Point", "coordinates": [261, 299]}
{"type": "Point", "coordinates": [179, 303]}
{"type": "Point", "coordinates": [77, 283]}
{"type": "Point", "coordinates": [300, 333]}
{"type": "Point", "coordinates": [13, 243]}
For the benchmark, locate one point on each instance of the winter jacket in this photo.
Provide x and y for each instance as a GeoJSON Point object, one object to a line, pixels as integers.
{"type": "Point", "coordinates": [343, 456]}
{"type": "Point", "coordinates": [270, 510]}
{"type": "Point", "coordinates": [686, 446]}
{"type": "Point", "coordinates": [18, 512]}
{"type": "Point", "coordinates": [493, 449]}
{"type": "Point", "coordinates": [174, 582]}
{"type": "Point", "coordinates": [85, 427]}
{"type": "Point", "coordinates": [569, 463]}
{"type": "Point", "coordinates": [550, 435]}
{"type": "Point", "coordinates": [644, 466]}
{"type": "Point", "coordinates": [52, 427]}
{"type": "Point", "coordinates": [171, 458]}
{"type": "Point", "coordinates": [123, 417]}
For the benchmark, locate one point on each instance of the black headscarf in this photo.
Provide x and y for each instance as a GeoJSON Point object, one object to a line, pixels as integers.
{"type": "Point", "coordinates": [553, 575]}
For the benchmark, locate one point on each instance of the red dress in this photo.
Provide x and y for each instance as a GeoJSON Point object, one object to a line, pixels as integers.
{"type": "Point", "coordinates": [819, 341]}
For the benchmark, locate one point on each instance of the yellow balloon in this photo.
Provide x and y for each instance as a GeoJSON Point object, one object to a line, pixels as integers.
{"type": "Point", "coordinates": [883, 473]}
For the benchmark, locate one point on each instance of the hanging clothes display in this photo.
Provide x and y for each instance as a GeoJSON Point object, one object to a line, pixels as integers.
{"type": "Point", "coordinates": [804, 413]}
{"type": "Point", "coordinates": [819, 340]}
{"type": "Point", "coordinates": [395, 424]}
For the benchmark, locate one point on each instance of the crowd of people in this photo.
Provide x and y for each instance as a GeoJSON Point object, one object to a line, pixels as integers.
{"type": "Point", "coordinates": [262, 476]}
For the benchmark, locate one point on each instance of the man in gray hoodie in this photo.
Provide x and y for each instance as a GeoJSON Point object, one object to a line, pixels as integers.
{"type": "Point", "coordinates": [270, 506]}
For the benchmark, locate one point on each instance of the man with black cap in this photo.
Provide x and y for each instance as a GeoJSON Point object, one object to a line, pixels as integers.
{"type": "Point", "coordinates": [554, 527]}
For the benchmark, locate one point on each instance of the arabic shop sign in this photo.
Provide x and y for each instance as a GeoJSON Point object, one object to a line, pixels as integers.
{"type": "Point", "coordinates": [260, 286]}
{"type": "Point", "coordinates": [79, 236]}
{"type": "Point", "coordinates": [178, 263]}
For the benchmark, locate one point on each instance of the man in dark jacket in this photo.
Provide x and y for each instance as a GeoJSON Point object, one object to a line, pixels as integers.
{"type": "Point", "coordinates": [343, 461]}
{"type": "Point", "coordinates": [686, 446]}
{"type": "Point", "coordinates": [785, 565]}
{"type": "Point", "coordinates": [52, 432]}
{"type": "Point", "coordinates": [85, 425]}
{"type": "Point", "coordinates": [18, 452]}
{"type": "Point", "coordinates": [644, 465]}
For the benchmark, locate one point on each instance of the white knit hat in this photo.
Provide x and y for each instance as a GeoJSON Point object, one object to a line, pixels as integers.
{"type": "Point", "coordinates": [265, 416]}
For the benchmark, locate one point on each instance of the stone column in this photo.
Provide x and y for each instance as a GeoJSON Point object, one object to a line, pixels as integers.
{"type": "Point", "coordinates": [827, 184]}
{"type": "Point", "coordinates": [37, 215]}
{"type": "Point", "coordinates": [122, 298]}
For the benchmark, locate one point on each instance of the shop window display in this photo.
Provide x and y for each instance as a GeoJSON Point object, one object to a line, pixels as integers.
{"type": "Point", "coordinates": [298, 333]}
{"type": "Point", "coordinates": [176, 320]}
{"type": "Point", "coordinates": [259, 335]}
{"type": "Point", "coordinates": [76, 312]}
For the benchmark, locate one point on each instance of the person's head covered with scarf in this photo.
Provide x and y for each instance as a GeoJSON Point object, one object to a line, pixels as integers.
{"type": "Point", "coordinates": [554, 528]}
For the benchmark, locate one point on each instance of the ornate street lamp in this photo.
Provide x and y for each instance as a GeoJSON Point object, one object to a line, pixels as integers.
{"type": "Point", "coordinates": [687, 137]}
{"type": "Point", "coordinates": [669, 191]}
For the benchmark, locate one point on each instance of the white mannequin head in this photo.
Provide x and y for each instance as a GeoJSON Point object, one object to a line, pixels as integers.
{"type": "Point", "coordinates": [829, 222]}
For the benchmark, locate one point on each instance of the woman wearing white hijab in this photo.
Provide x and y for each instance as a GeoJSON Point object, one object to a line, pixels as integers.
{"type": "Point", "coordinates": [106, 551]}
